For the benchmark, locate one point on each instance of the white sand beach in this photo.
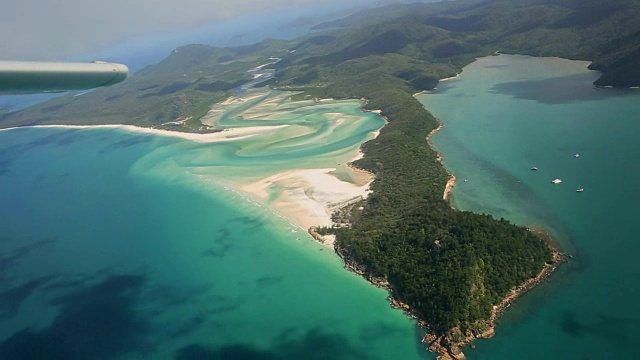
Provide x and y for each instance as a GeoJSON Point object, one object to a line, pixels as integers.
{"type": "Point", "coordinates": [305, 194]}
{"type": "Point", "coordinates": [448, 190]}
{"type": "Point", "coordinates": [232, 134]}
{"type": "Point", "coordinates": [309, 196]}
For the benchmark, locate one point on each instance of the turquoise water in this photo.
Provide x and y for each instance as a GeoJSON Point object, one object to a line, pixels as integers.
{"type": "Point", "coordinates": [122, 245]}
{"type": "Point", "coordinates": [506, 114]}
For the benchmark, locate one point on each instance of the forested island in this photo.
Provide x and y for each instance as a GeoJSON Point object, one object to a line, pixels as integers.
{"type": "Point", "coordinates": [451, 267]}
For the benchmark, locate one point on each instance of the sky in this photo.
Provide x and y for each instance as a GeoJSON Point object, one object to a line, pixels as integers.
{"type": "Point", "coordinates": [63, 29]}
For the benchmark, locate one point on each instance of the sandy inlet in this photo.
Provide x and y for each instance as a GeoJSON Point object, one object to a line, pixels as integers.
{"type": "Point", "coordinates": [232, 134]}
{"type": "Point", "coordinates": [307, 189]}
{"type": "Point", "coordinates": [309, 196]}
{"type": "Point", "coordinates": [292, 156]}
{"type": "Point", "coordinates": [318, 143]}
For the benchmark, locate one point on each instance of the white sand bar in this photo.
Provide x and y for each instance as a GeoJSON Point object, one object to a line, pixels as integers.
{"type": "Point", "coordinates": [308, 197]}
{"type": "Point", "coordinates": [225, 135]}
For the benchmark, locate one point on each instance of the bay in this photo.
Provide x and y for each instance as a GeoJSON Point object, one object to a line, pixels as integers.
{"type": "Point", "coordinates": [125, 245]}
{"type": "Point", "coordinates": [506, 114]}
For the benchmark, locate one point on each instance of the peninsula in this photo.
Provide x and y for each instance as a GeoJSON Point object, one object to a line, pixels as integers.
{"type": "Point", "coordinates": [453, 269]}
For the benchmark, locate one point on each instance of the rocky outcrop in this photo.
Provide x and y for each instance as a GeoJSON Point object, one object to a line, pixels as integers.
{"type": "Point", "coordinates": [450, 345]}
{"type": "Point", "coordinates": [313, 231]}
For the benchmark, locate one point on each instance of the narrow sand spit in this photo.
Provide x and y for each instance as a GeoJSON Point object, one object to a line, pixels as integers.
{"type": "Point", "coordinates": [225, 135]}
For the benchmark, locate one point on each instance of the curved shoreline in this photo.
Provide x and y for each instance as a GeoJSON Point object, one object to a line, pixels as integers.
{"type": "Point", "coordinates": [311, 195]}
{"type": "Point", "coordinates": [450, 349]}
{"type": "Point", "coordinates": [451, 183]}
{"type": "Point", "coordinates": [445, 345]}
{"type": "Point", "coordinates": [449, 346]}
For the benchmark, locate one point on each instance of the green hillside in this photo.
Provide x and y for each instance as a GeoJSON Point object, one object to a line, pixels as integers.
{"type": "Point", "coordinates": [451, 267]}
{"type": "Point", "coordinates": [183, 86]}
{"type": "Point", "coordinates": [447, 36]}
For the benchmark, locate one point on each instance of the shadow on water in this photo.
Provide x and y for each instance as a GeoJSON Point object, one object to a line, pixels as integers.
{"type": "Point", "coordinates": [11, 299]}
{"type": "Point", "coordinates": [247, 223]}
{"type": "Point", "coordinates": [559, 90]}
{"type": "Point", "coordinates": [219, 251]}
{"type": "Point", "coordinates": [223, 238]}
{"type": "Point", "coordinates": [5, 164]}
{"type": "Point", "coordinates": [615, 330]}
{"type": "Point", "coordinates": [269, 280]}
{"type": "Point", "coordinates": [59, 138]}
{"type": "Point", "coordinates": [9, 259]}
{"type": "Point", "coordinates": [133, 140]}
{"type": "Point", "coordinates": [221, 245]}
{"type": "Point", "coordinates": [97, 322]}
{"type": "Point", "coordinates": [312, 344]}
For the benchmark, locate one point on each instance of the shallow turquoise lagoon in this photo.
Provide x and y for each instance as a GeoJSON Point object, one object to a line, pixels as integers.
{"type": "Point", "coordinates": [121, 245]}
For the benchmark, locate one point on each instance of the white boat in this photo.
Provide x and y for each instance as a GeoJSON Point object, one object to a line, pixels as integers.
{"type": "Point", "coordinates": [556, 181]}
{"type": "Point", "coordinates": [580, 189]}
{"type": "Point", "coordinates": [534, 168]}
{"type": "Point", "coordinates": [577, 155]}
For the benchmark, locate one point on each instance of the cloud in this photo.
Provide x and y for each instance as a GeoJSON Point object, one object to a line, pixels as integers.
{"type": "Point", "coordinates": [35, 29]}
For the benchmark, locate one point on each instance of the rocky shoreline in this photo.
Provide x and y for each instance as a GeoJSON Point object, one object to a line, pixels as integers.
{"type": "Point", "coordinates": [449, 346]}
{"type": "Point", "coordinates": [383, 283]}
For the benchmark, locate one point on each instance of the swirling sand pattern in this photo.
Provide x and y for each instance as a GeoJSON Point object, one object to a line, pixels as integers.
{"type": "Point", "coordinates": [291, 155]}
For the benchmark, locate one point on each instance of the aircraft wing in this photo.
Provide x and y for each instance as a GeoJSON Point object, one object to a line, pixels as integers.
{"type": "Point", "coordinates": [24, 77]}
